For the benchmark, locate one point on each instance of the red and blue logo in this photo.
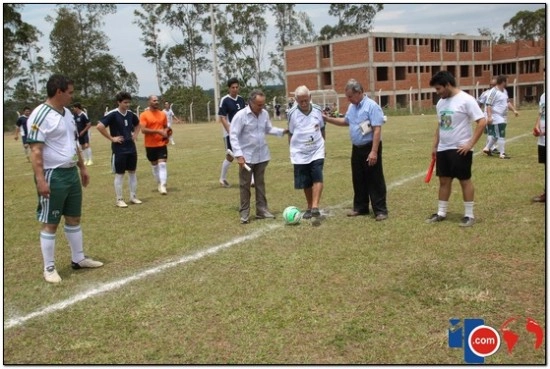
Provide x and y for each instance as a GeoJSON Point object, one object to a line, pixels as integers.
{"type": "Point", "coordinates": [480, 341]}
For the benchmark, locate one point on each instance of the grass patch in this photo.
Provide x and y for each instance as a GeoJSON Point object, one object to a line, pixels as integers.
{"type": "Point", "coordinates": [349, 291]}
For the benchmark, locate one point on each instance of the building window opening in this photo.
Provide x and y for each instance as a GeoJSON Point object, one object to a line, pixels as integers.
{"type": "Point", "coordinates": [325, 51]}
{"type": "Point", "coordinates": [382, 73]}
{"type": "Point", "coordinates": [380, 44]}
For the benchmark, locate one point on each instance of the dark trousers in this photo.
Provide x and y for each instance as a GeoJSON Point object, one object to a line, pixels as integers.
{"type": "Point", "coordinates": [368, 182]}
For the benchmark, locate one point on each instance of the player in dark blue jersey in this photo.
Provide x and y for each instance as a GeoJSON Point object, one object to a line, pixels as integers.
{"type": "Point", "coordinates": [21, 129]}
{"type": "Point", "coordinates": [123, 131]}
{"type": "Point", "coordinates": [230, 104]}
{"type": "Point", "coordinates": [83, 125]}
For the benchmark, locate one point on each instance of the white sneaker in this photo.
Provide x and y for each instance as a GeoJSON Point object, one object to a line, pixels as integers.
{"type": "Point", "coordinates": [51, 276]}
{"type": "Point", "coordinates": [135, 200]}
{"type": "Point", "coordinates": [173, 143]}
{"type": "Point", "coordinates": [90, 162]}
{"type": "Point", "coordinates": [162, 189]}
{"type": "Point", "coordinates": [86, 263]}
{"type": "Point", "coordinates": [121, 204]}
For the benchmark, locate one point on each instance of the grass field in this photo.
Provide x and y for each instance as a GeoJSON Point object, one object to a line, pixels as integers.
{"type": "Point", "coordinates": [185, 283]}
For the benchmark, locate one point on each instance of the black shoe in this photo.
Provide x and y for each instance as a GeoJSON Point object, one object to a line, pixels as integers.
{"type": "Point", "coordinates": [315, 212]}
{"type": "Point", "coordinates": [434, 218]}
{"type": "Point", "coordinates": [86, 263]}
{"type": "Point", "coordinates": [307, 214]}
{"type": "Point", "coordinates": [467, 222]}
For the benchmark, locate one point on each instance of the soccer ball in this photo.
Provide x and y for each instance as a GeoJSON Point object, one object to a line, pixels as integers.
{"type": "Point", "coordinates": [292, 215]}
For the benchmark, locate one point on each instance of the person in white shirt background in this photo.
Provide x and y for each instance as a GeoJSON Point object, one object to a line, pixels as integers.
{"type": "Point", "coordinates": [496, 112]}
{"type": "Point", "coordinates": [540, 132]}
{"type": "Point", "coordinates": [171, 117]}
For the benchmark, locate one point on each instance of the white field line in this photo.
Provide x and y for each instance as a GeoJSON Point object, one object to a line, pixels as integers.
{"type": "Point", "coordinates": [111, 286]}
{"type": "Point", "coordinates": [13, 322]}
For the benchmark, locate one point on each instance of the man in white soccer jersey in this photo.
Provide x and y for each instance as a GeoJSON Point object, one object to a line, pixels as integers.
{"type": "Point", "coordinates": [230, 104]}
{"type": "Point", "coordinates": [306, 130]}
{"type": "Point", "coordinates": [171, 117]}
{"type": "Point", "coordinates": [453, 144]}
{"type": "Point", "coordinates": [53, 139]}
{"type": "Point", "coordinates": [496, 111]}
{"type": "Point", "coordinates": [482, 99]}
{"type": "Point", "coordinates": [123, 131]}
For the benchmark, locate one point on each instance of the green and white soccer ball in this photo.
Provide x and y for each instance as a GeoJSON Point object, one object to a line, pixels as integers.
{"type": "Point", "coordinates": [292, 215]}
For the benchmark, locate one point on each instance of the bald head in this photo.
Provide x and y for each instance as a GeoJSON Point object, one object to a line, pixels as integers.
{"type": "Point", "coordinates": [153, 102]}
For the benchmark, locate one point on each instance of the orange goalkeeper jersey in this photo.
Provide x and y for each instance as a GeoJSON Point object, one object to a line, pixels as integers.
{"type": "Point", "coordinates": [153, 119]}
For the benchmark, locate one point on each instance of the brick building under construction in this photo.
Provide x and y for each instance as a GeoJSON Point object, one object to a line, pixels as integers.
{"type": "Point", "coordinates": [395, 69]}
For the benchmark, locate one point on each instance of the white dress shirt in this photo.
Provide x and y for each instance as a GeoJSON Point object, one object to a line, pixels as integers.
{"type": "Point", "coordinates": [247, 135]}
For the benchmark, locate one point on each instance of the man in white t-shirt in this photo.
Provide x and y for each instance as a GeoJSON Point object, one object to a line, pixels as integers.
{"type": "Point", "coordinates": [496, 111]}
{"type": "Point", "coordinates": [306, 129]}
{"type": "Point", "coordinates": [453, 144]}
{"type": "Point", "coordinates": [170, 116]}
{"type": "Point", "coordinates": [540, 132]}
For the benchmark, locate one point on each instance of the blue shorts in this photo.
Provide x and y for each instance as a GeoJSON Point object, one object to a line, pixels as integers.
{"type": "Point", "coordinates": [305, 175]}
{"type": "Point", "coordinates": [83, 140]}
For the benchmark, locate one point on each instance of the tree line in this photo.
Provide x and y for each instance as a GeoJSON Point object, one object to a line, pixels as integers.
{"type": "Point", "coordinates": [79, 48]}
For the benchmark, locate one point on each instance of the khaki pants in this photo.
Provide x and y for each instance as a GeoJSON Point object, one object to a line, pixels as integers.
{"type": "Point", "coordinates": [245, 178]}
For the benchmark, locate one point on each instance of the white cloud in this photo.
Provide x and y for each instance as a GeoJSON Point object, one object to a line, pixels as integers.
{"type": "Point", "coordinates": [448, 18]}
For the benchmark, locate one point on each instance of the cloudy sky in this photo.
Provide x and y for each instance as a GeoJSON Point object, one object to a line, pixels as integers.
{"type": "Point", "coordinates": [403, 18]}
